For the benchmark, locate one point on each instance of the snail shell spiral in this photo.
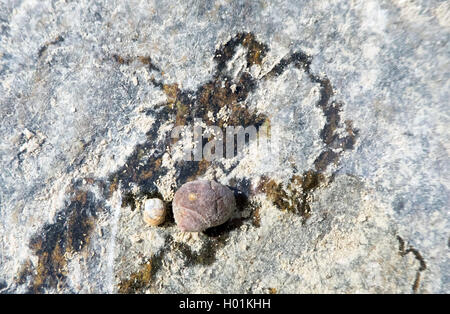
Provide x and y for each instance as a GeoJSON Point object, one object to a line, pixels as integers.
{"type": "Point", "coordinates": [154, 212]}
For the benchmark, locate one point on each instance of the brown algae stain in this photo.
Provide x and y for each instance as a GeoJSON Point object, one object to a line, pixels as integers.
{"type": "Point", "coordinates": [70, 233]}
{"type": "Point", "coordinates": [293, 197]}
{"type": "Point", "coordinates": [403, 251]}
{"type": "Point", "coordinates": [138, 280]}
{"type": "Point", "coordinates": [144, 278]}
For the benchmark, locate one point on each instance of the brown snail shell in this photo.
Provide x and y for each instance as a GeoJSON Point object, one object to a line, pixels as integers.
{"type": "Point", "coordinates": [154, 212]}
{"type": "Point", "coordinates": [202, 204]}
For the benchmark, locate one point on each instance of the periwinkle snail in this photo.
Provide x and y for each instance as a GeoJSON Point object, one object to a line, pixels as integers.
{"type": "Point", "coordinates": [202, 204]}
{"type": "Point", "coordinates": [154, 212]}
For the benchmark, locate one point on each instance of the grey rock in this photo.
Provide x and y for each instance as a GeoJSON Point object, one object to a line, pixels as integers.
{"type": "Point", "coordinates": [356, 93]}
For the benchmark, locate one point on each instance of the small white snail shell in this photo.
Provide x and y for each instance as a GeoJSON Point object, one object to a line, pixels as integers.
{"type": "Point", "coordinates": [154, 212]}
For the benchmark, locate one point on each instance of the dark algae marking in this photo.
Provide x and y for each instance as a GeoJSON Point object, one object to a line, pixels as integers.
{"type": "Point", "coordinates": [24, 273]}
{"type": "Point", "coordinates": [144, 60]}
{"type": "Point", "coordinates": [139, 280]}
{"type": "Point", "coordinates": [205, 256]}
{"type": "Point", "coordinates": [143, 166]}
{"type": "Point", "coordinates": [44, 48]}
{"type": "Point", "coordinates": [143, 279]}
{"type": "Point", "coordinates": [334, 143]}
{"type": "Point", "coordinates": [403, 251]}
{"type": "Point", "coordinates": [256, 50]}
{"type": "Point", "coordinates": [69, 233]}
{"type": "Point", "coordinates": [294, 196]}
{"type": "Point", "coordinates": [299, 59]}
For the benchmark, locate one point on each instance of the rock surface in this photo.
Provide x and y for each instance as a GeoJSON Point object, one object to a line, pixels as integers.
{"type": "Point", "coordinates": [355, 199]}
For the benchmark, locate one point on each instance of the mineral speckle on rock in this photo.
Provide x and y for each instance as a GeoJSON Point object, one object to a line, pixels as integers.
{"type": "Point", "coordinates": [351, 96]}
